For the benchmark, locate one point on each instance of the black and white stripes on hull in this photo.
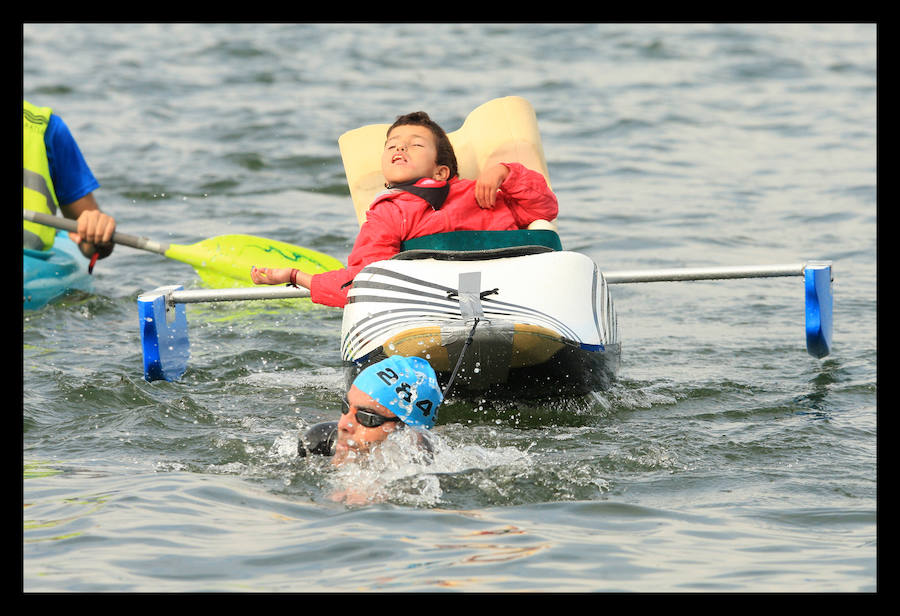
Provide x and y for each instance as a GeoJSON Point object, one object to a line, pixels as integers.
{"type": "Point", "coordinates": [546, 326]}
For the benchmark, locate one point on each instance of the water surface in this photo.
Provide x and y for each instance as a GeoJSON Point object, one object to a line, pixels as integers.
{"type": "Point", "coordinates": [724, 458]}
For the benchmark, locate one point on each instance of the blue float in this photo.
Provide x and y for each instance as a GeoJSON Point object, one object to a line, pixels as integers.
{"type": "Point", "coordinates": [819, 304]}
{"type": "Point", "coordinates": [164, 335]}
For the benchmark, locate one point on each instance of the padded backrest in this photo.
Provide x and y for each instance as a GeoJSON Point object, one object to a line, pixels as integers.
{"type": "Point", "coordinates": [500, 130]}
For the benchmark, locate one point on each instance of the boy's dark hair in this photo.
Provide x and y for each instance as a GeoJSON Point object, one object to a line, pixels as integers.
{"type": "Point", "coordinates": [445, 154]}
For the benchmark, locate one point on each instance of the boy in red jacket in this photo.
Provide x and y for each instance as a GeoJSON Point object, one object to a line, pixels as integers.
{"type": "Point", "coordinates": [424, 196]}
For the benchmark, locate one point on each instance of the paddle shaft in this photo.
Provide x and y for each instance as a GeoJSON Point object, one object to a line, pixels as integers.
{"type": "Point", "coordinates": [141, 243]}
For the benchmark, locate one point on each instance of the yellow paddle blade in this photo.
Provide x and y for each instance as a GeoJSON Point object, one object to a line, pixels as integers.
{"type": "Point", "coordinates": [226, 260]}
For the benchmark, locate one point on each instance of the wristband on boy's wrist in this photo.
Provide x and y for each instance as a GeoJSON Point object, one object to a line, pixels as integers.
{"type": "Point", "coordinates": [294, 273]}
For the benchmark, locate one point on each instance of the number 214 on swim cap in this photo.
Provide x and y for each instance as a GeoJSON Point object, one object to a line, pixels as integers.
{"type": "Point", "coordinates": [407, 386]}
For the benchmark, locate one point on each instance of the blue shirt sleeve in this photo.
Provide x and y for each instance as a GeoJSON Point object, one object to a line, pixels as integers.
{"type": "Point", "coordinates": [72, 178]}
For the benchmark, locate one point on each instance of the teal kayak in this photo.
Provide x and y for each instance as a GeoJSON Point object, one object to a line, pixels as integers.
{"type": "Point", "coordinates": [50, 274]}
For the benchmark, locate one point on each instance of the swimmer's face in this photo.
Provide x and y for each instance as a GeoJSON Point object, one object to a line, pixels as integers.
{"type": "Point", "coordinates": [410, 153]}
{"type": "Point", "coordinates": [354, 438]}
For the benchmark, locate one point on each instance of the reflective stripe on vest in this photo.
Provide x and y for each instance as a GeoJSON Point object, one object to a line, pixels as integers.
{"type": "Point", "coordinates": [38, 194]}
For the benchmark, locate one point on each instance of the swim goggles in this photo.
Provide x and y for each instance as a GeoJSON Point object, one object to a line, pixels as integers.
{"type": "Point", "coordinates": [367, 419]}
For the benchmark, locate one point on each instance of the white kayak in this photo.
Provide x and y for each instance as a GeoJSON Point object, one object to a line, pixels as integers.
{"type": "Point", "coordinates": [541, 321]}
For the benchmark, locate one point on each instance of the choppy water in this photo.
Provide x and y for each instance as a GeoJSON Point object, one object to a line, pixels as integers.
{"type": "Point", "coordinates": [724, 459]}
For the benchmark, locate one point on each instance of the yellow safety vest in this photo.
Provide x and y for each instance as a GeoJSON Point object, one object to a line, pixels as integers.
{"type": "Point", "coordinates": [38, 194]}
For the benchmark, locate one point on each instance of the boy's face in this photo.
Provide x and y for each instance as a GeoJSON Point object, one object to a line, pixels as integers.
{"type": "Point", "coordinates": [410, 153]}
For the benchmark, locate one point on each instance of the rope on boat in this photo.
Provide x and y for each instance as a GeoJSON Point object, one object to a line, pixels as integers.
{"type": "Point", "coordinates": [459, 361]}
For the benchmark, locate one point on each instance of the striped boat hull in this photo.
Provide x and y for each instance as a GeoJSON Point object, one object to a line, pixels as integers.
{"type": "Point", "coordinates": [546, 325]}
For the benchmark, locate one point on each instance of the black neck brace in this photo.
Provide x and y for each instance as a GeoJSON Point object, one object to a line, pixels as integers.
{"type": "Point", "coordinates": [434, 192]}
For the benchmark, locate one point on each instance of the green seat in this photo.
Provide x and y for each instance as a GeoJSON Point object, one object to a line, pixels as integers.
{"type": "Point", "coordinates": [484, 240]}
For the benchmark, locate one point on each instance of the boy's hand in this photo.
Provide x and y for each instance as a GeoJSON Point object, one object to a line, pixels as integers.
{"type": "Point", "coordinates": [270, 275]}
{"type": "Point", "coordinates": [488, 183]}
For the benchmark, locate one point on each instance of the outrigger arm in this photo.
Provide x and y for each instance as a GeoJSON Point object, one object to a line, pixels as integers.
{"type": "Point", "coordinates": [166, 349]}
{"type": "Point", "coordinates": [818, 282]}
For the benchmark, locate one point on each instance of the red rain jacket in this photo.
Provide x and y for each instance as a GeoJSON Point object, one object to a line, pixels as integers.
{"type": "Point", "coordinates": [396, 216]}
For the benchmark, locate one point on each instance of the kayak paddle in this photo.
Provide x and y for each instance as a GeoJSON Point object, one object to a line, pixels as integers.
{"type": "Point", "coordinates": [221, 261]}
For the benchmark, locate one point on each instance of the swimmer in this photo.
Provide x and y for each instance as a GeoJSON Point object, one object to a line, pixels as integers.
{"type": "Point", "coordinates": [394, 394]}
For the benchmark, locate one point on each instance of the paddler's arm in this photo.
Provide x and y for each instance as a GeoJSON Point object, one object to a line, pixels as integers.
{"type": "Point", "coordinates": [95, 229]}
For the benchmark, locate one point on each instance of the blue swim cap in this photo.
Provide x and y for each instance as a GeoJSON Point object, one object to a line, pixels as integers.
{"type": "Point", "coordinates": [407, 386]}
